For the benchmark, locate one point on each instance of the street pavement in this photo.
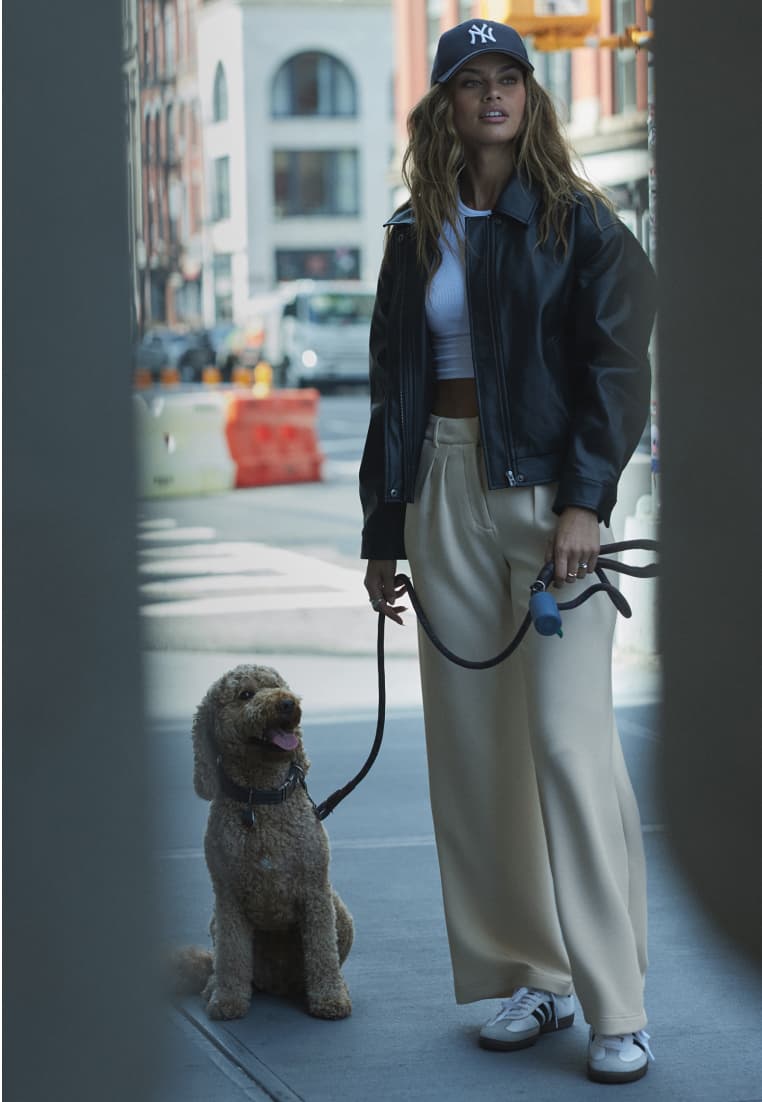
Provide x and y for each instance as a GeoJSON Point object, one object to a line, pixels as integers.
{"type": "Point", "coordinates": [272, 576]}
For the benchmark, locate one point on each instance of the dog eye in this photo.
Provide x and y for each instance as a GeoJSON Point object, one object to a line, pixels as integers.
{"type": "Point", "coordinates": [246, 694]}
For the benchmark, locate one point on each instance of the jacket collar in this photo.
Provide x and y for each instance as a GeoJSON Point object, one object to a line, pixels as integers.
{"type": "Point", "coordinates": [519, 200]}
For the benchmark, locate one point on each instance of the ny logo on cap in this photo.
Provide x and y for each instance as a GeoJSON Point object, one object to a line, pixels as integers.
{"type": "Point", "coordinates": [484, 33]}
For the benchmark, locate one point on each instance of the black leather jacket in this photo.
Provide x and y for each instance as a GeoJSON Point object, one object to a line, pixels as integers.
{"type": "Point", "coordinates": [560, 350]}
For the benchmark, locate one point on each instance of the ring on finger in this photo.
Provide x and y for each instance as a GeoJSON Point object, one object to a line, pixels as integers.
{"type": "Point", "coordinates": [582, 565]}
{"type": "Point", "coordinates": [571, 576]}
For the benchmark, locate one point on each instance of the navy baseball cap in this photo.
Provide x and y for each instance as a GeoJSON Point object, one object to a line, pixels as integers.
{"type": "Point", "coordinates": [469, 39]}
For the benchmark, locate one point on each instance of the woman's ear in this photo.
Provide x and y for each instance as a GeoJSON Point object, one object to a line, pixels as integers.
{"type": "Point", "coordinates": [204, 747]}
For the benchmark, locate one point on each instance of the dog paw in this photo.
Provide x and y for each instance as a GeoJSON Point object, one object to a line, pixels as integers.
{"type": "Point", "coordinates": [332, 1005]}
{"type": "Point", "coordinates": [223, 1007]}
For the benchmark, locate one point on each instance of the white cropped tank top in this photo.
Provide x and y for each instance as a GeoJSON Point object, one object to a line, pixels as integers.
{"type": "Point", "coordinates": [447, 305]}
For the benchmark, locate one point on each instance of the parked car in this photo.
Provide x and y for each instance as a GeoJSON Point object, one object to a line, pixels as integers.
{"type": "Point", "coordinates": [188, 350]}
{"type": "Point", "coordinates": [220, 339]}
{"type": "Point", "coordinates": [238, 346]}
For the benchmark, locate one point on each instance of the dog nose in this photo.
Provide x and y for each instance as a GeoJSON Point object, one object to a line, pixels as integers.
{"type": "Point", "coordinates": [287, 706]}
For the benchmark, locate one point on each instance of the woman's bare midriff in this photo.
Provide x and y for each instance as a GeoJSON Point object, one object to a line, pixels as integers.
{"type": "Point", "coordinates": [456, 398]}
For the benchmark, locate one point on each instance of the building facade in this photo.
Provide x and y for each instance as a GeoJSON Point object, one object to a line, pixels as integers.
{"type": "Point", "coordinates": [169, 248]}
{"type": "Point", "coordinates": [271, 137]}
{"type": "Point", "coordinates": [298, 120]}
{"type": "Point", "coordinates": [133, 131]}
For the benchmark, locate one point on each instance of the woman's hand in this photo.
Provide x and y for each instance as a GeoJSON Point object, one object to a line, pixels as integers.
{"type": "Point", "coordinates": [379, 582]}
{"type": "Point", "coordinates": [574, 547]}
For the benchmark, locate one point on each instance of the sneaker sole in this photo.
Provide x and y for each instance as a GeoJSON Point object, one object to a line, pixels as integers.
{"type": "Point", "coordinates": [525, 1042]}
{"type": "Point", "coordinates": [616, 1076]}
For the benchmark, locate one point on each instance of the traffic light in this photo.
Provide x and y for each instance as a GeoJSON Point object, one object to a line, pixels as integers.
{"type": "Point", "coordinates": [573, 17]}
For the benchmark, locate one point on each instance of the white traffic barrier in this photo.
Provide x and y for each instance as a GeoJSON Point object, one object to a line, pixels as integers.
{"type": "Point", "coordinates": [633, 484]}
{"type": "Point", "coordinates": [181, 444]}
{"type": "Point", "coordinates": [640, 634]}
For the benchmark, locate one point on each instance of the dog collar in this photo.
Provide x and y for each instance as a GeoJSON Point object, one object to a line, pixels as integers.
{"type": "Point", "coordinates": [251, 796]}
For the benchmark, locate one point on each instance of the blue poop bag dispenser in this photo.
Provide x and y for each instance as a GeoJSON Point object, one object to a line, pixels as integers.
{"type": "Point", "coordinates": [544, 611]}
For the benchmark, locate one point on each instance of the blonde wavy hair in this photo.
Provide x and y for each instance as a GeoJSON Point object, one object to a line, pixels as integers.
{"type": "Point", "coordinates": [435, 158]}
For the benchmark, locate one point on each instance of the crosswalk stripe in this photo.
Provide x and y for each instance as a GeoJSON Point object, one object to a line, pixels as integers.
{"type": "Point", "coordinates": [266, 602]}
{"type": "Point", "coordinates": [178, 534]}
{"type": "Point", "coordinates": [224, 578]}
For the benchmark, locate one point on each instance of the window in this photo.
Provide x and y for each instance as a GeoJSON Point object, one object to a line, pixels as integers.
{"type": "Point", "coordinates": [222, 267]}
{"type": "Point", "coordinates": [159, 195]}
{"type": "Point", "coordinates": [221, 189]}
{"type": "Point", "coordinates": [625, 65]}
{"type": "Point", "coordinates": [170, 133]}
{"type": "Point", "coordinates": [314, 84]}
{"type": "Point", "coordinates": [175, 203]}
{"type": "Point", "coordinates": [553, 71]}
{"type": "Point", "coordinates": [220, 95]}
{"type": "Point", "coordinates": [147, 57]}
{"type": "Point", "coordinates": [169, 42]}
{"type": "Point", "coordinates": [181, 36]}
{"type": "Point", "coordinates": [341, 263]}
{"type": "Point", "coordinates": [155, 50]}
{"type": "Point", "coordinates": [315, 182]}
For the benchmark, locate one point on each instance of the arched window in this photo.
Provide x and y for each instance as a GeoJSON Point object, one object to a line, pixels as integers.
{"type": "Point", "coordinates": [314, 84]}
{"type": "Point", "coordinates": [220, 95]}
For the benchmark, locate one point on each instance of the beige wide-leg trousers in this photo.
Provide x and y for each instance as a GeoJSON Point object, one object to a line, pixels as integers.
{"type": "Point", "coordinates": [537, 829]}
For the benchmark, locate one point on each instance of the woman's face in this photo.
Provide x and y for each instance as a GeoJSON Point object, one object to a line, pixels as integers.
{"type": "Point", "coordinates": [488, 97]}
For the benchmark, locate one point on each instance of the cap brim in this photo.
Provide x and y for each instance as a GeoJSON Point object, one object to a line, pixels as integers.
{"type": "Point", "coordinates": [522, 61]}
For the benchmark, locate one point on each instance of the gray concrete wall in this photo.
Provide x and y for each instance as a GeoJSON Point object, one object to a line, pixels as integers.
{"type": "Point", "coordinates": [77, 1010]}
{"type": "Point", "coordinates": [710, 245]}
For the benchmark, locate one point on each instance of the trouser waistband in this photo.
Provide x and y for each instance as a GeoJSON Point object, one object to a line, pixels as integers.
{"type": "Point", "coordinates": [453, 430]}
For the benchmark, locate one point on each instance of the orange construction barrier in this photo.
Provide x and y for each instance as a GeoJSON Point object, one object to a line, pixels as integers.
{"type": "Point", "coordinates": [169, 376]}
{"type": "Point", "coordinates": [142, 378]}
{"type": "Point", "coordinates": [241, 376]}
{"type": "Point", "coordinates": [273, 439]}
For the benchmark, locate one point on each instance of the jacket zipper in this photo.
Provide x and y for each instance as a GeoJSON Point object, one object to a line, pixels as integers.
{"type": "Point", "coordinates": [403, 429]}
{"type": "Point", "coordinates": [512, 474]}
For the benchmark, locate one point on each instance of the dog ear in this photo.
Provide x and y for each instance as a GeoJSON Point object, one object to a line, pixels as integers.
{"type": "Point", "coordinates": [204, 748]}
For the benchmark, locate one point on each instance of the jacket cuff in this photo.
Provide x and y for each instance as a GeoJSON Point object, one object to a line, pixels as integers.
{"type": "Point", "coordinates": [383, 536]}
{"type": "Point", "coordinates": [583, 493]}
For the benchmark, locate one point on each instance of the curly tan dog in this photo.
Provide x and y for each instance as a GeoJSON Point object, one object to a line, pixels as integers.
{"type": "Point", "coordinates": [278, 926]}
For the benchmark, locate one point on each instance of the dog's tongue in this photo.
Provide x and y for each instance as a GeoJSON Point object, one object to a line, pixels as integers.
{"type": "Point", "coordinates": [286, 740]}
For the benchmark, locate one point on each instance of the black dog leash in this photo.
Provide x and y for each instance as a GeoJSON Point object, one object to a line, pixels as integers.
{"type": "Point", "coordinates": [544, 613]}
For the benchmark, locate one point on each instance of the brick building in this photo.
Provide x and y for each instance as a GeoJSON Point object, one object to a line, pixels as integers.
{"type": "Point", "coordinates": [133, 132]}
{"type": "Point", "coordinates": [169, 252]}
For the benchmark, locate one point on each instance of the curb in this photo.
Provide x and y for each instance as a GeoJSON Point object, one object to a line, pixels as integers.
{"type": "Point", "coordinates": [242, 1067]}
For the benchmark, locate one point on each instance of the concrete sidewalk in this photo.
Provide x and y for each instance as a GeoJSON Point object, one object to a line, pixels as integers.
{"type": "Point", "coordinates": [406, 1038]}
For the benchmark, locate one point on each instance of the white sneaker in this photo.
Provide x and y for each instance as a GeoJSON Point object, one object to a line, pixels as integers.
{"type": "Point", "coordinates": [522, 1018]}
{"type": "Point", "coordinates": [621, 1058]}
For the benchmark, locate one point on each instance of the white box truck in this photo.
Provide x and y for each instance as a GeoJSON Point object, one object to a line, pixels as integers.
{"type": "Point", "coordinates": [316, 332]}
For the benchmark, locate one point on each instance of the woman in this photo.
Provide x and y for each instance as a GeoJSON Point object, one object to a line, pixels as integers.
{"type": "Point", "coordinates": [509, 387]}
